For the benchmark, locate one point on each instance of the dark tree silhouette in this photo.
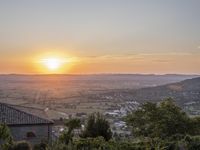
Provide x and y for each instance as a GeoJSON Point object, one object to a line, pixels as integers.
{"type": "Point", "coordinates": [97, 126]}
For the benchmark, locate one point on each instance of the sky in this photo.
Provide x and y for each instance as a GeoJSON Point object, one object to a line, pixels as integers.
{"type": "Point", "coordinates": [100, 36]}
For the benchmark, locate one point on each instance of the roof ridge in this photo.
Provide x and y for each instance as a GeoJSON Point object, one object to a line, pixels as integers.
{"type": "Point", "coordinates": [26, 107]}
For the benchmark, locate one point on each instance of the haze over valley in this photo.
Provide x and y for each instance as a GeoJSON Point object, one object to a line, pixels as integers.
{"type": "Point", "coordinates": [64, 95]}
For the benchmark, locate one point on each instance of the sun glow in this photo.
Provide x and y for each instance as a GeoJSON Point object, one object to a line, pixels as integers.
{"type": "Point", "coordinates": [52, 63]}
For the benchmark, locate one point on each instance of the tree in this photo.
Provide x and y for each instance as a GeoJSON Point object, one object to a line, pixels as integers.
{"type": "Point", "coordinates": [5, 136]}
{"type": "Point", "coordinates": [67, 135]}
{"type": "Point", "coordinates": [172, 119]}
{"type": "Point", "coordinates": [73, 124]}
{"type": "Point", "coordinates": [97, 126]}
{"type": "Point", "coordinates": [194, 126]}
{"type": "Point", "coordinates": [22, 145]}
{"type": "Point", "coordinates": [159, 120]}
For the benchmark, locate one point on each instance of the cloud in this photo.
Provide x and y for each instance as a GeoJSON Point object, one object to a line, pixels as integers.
{"type": "Point", "coordinates": [161, 61]}
{"type": "Point", "coordinates": [157, 57]}
{"type": "Point", "coordinates": [114, 58]}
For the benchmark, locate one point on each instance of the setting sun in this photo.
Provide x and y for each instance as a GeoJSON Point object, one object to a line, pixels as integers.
{"type": "Point", "coordinates": [52, 63]}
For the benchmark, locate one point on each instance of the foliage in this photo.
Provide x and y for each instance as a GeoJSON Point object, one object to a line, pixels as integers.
{"type": "Point", "coordinates": [61, 146]}
{"type": "Point", "coordinates": [161, 126]}
{"type": "Point", "coordinates": [162, 120]}
{"type": "Point", "coordinates": [97, 126]}
{"type": "Point", "coordinates": [4, 132]}
{"type": "Point", "coordinates": [73, 124]}
{"type": "Point", "coordinates": [5, 137]}
{"type": "Point", "coordinates": [193, 143]}
{"type": "Point", "coordinates": [177, 142]}
{"type": "Point", "coordinates": [65, 138]}
{"type": "Point", "coordinates": [194, 126]}
{"type": "Point", "coordinates": [23, 145]}
{"type": "Point", "coordinates": [90, 143]}
{"type": "Point", "coordinates": [41, 146]}
{"type": "Point", "coordinates": [67, 135]}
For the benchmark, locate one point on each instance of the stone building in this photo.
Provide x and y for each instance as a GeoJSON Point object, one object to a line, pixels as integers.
{"type": "Point", "coordinates": [24, 125]}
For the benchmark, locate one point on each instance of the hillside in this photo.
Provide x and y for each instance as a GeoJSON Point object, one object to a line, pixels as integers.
{"type": "Point", "coordinates": [182, 92]}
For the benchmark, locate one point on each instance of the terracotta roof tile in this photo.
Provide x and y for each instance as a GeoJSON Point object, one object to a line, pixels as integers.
{"type": "Point", "coordinates": [13, 116]}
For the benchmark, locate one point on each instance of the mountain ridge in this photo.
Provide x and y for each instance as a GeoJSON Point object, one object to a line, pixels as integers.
{"type": "Point", "coordinates": [182, 92]}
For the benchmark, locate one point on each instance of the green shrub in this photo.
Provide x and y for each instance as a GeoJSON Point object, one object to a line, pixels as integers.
{"type": "Point", "coordinates": [23, 145]}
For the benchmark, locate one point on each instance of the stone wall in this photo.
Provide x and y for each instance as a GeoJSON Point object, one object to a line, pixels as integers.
{"type": "Point", "coordinates": [31, 133]}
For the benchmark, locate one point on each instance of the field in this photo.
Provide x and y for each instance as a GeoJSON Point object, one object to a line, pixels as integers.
{"type": "Point", "coordinates": [68, 95]}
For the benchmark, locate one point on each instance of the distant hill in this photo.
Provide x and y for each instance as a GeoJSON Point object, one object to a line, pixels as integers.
{"type": "Point", "coordinates": [50, 89]}
{"type": "Point", "coordinates": [183, 92]}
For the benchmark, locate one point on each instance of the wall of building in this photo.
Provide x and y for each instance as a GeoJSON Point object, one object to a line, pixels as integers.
{"type": "Point", "coordinates": [41, 132]}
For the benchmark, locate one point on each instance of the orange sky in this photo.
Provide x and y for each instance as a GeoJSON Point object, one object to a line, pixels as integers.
{"type": "Point", "coordinates": [159, 63]}
{"type": "Point", "coordinates": [148, 36]}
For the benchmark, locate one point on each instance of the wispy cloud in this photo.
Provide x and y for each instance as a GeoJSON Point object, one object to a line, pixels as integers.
{"type": "Point", "coordinates": [156, 57]}
{"type": "Point", "coordinates": [114, 57]}
{"type": "Point", "coordinates": [161, 61]}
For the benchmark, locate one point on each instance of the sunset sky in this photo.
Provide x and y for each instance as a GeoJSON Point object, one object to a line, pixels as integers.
{"type": "Point", "coordinates": [100, 36]}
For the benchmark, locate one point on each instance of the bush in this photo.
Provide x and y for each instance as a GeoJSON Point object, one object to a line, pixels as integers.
{"type": "Point", "coordinates": [193, 143]}
{"type": "Point", "coordinates": [41, 146]}
{"type": "Point", "coordinates": [23, 145]}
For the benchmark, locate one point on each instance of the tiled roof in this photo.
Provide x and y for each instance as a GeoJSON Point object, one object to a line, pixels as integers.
{"type": "Point", "coordinates": [13, 116]}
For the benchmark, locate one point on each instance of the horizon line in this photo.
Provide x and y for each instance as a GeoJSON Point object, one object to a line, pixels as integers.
{"type": "Point", "coordinates": [79, 74]}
